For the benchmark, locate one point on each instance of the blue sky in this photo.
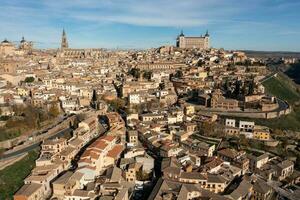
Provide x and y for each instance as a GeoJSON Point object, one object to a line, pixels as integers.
{"type": "Point", "coordinates": [233, 24]}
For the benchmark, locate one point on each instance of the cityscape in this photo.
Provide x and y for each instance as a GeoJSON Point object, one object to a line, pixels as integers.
{"type": "Point", "coordinates": [182, 118]}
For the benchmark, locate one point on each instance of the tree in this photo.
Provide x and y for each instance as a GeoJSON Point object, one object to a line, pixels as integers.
{"type": "Point", "coordinates": [251, 87]}
{"type": "Point", "coordinates": [94, 100]}
{"type": "Point", "coordinates": [244, 141]}
{"type": "Point", "coordinates": [208, 128]}
{"type": "Point", "coordinates": [179, 74]}
{"type": "Point", "coordinates": [117, 103]}
{"type": "Point", "coordinates": [237, 89]}
{"type": "Point", "coordinates": [142, 176]}
{"type": "Point", "coordinates": [136, 73]}
{"type": "Point", "coordinates": [147, 75]}
{"type": "Point", "coordinates": [54, 110]}
{"type": "Point", "coordinates": [29, 79]}
{"type": "Point", "coordinates": [162, 86]}
{"type": "Point", "coordinates": [226, 86]}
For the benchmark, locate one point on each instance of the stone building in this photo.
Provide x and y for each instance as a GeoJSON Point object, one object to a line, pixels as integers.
{"type": "Point", "coordinates": [8, 66]}
{"type": "Point", "coordinates": [200, 42]}
{"type": "Point", "coordinates": [25, 45]}
{"type": "Point", "coordinates": [66, 52]}
{"type": "Point", "coordinates": [64, 41]}
{"type": "Point", "coordinates": [7, 48]}
{"type": "Point", "coordinates": [218, 101]}
{"type": "Point", "coordinates": [161, 66]}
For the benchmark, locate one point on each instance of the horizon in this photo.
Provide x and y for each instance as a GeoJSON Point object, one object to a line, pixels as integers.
{"type": "Point", "coordinates": [259, 25]}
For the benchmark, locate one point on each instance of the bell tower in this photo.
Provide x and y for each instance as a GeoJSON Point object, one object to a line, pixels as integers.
{"type": "Point", "coordinates": [64, 41]}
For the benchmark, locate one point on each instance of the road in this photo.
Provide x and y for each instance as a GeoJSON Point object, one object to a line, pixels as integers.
{"type": "Point", "coordinates": [274, 74]}
{"type": "Point", "coordinates": [282, 105]}
{"type": "Point", "coordinates": [33, 146]}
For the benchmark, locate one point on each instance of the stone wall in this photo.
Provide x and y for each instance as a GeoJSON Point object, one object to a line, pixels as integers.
{"type": "Point", "coordinates": [262, 115]}
{"type": "Point", "coordinates": [34, 137]}
{"type": "Point", "coordinates": [10, 161]}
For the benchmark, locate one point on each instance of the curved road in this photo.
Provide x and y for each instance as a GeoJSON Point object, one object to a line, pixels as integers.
{"type": "Point", "coordinates": [33, 146]}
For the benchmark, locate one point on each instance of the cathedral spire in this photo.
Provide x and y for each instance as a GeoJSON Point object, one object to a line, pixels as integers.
{"type": "Point", "coordinates": [206, 34]}
{"type": "Point", "coordinates": [64, 41]}
{"type": "Point", "coordinates": [181, 34]}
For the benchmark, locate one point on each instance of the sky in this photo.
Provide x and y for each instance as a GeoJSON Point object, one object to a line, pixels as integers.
{"type": "Point", "coordinates": [271, 25]}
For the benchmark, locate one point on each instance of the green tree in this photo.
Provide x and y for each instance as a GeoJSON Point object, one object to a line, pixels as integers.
{"type": "Point", "coordinates": [136, 73]}
{"type": "Point", "coordinates": [208, 128]}
{"type": "Point", "coordinates": [237, 89]}
{"type": "Point", "coordinates": [29, 79]}
{"type": "Point", "coordinates": [54, 110]}
{"type": "Point", "coordinates": [251, 87]}
{"type": "Point", "coordinates": [147, 75]}
{"type": "Point", "coordinates": [117, 103]}
{"type": "Point", "coordinates": [179, 74]}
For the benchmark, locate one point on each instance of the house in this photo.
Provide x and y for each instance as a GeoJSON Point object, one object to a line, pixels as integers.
{"type": "Point", "coordinates": [167, 189]}
{"type": "Point", "coordinates": [32, 191]}
{"type": "Point", "coordinates": [284, 169]}
{"type": "Point", "coordinates": [256, 162]}
{"type": "Point", "coordinates": [246, 128]}
{"type": "Point", "coordinates": [54, 146]}
{"type": "Point", "coordinates": [131, 172]}
{"type": "Point", "coordinates": [261, 133]}
{"type": "Point", "coordinates": [261, 190]}
{"type": "Point", "coordinates": [67, 184]}
{"type": "Point", "coordinates": [236, 158]}
{"type": "Point", "coordinates": [133, 138]}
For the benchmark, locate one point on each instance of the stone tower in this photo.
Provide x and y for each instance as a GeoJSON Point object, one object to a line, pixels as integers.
{"type": "Point", "coordinates": [64, 42]}
{"type": "Point", "coordinates": [207, 40]}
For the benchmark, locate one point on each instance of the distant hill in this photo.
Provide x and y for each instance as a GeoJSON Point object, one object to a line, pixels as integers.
{"type": "Point", "coordinates": [272, 54]}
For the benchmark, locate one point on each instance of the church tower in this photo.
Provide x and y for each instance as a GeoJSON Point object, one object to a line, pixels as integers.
{"type": "Point", "coordinates": [206, 40]}
{"type": "Point", "coordinates": [64, 42]}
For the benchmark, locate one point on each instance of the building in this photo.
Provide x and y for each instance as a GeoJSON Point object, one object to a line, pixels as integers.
{"type": "Point", "coordinates": [256, 162]}
{"type": "Point", "coordinates": [261, 133]}
{"type": "Point", "coordinates": [218, 101]}
{"type": "Point", "coordinates": [64, 41]}
{"type": "Point", "coordinates": [246, 128]}
{"type": "Point", "coordinates": [66, 52]}
{"type": "Point", "coordinates": [25, 45]}
{"type": "Point", "coordinates": [8, 66]}
{"type": "Point", "coordinates": [236, 158]}
{"type": "Point", "coordinates": [133, 138]}
{"type": "Point", "coordinates": [166, 189]}
{"type": "Point", "coordinates": [161, 66]}
{"type": "Point", "coordinates": [31, 191]}
{"type": "Point", "coordinates": [67, 184]}
{"type": "Point", "coordinates": [230, 122]}
{"type": "Point", "coordinates": [200, 42]}
{"type": "Point", "coordinates": [7, 48]}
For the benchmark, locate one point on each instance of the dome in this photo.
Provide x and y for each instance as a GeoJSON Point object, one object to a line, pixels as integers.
{"type": "Point", "coordinates": [23, 40]}
{"type": "Point", "coordinates": [5, 41]}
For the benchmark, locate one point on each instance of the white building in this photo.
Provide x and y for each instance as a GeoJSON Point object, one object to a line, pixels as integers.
{"type": "Point", "coordinates": [230, 122]}
{"type": "Point", "coordinates": [246, 128]}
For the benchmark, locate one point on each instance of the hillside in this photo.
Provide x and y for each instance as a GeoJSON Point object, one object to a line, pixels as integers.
{"type": "Point", "coordinates": [284, 88]}
{"type": "Point", "coordinates": [294, 72]}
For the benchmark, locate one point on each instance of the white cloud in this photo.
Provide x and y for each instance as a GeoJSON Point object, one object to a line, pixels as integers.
{"type": "Point", "coordinates": [42, 20]}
